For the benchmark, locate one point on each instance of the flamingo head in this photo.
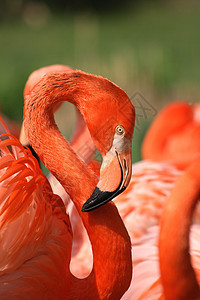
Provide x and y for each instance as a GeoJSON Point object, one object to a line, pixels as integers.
{"type": "Point", "coordinates": [109, 115]}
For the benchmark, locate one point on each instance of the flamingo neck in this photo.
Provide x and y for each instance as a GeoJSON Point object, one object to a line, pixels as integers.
{"type": "Point", "coordinates": [112, 268]}
{"type": "Point", "coordinates": [178, 276]}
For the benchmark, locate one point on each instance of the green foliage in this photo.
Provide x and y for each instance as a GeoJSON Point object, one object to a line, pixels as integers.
{"type": "Point", "coordinates": [152, 49]}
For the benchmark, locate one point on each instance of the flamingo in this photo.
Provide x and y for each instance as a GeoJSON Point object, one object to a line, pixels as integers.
{"type": "Point", "coordinates": [35, 263]}
{"type": "Point", "coordinates": [140, 207]}
{"type": "Point", "coordinates": [174, 135]}
{"type": "Point", "coordinates": [180, 272]}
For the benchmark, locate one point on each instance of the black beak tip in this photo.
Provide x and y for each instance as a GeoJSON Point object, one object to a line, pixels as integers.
{"type": "Point", "coordinates": [86, 207]}
{"type": "Point", "coordinates": [99, 198]}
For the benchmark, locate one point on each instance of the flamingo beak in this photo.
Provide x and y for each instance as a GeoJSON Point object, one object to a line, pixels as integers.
{"type": "Point", "coordinates": [115, 175]}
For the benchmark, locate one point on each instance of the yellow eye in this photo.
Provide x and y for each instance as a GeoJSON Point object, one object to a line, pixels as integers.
{"type": "Point", "coordinates": [119, 130]}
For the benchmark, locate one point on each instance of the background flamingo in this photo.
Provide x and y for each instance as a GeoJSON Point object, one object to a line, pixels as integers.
{"type": "Point", "coordinates": [180, 273]}
{"type": "Point", "coordinates": [50, 275]}
{"type": "Point", "coordinates": [174, 135]}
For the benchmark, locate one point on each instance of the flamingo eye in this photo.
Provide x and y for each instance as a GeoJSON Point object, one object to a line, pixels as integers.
{"type": "Point", "coordinates": [119, 130]}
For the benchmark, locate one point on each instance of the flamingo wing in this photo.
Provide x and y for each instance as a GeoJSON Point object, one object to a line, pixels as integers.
{"type": "Point", "coordinates": [33, 222]}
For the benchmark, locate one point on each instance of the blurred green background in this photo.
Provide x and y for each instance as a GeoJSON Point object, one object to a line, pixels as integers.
{"type": "Point", "coordinates": [151, 49]}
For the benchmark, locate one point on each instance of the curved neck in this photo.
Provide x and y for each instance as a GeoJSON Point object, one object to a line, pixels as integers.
{"type": "Point", "coordinates": [178, 276]}
{"type": "Point", "coordinates": [112, 268]}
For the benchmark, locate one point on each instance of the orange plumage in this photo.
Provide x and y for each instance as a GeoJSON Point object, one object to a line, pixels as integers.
{"type": "Point", "coordinates": [35, 230]}
{"type": "Point", "coordinates": [179, 272]}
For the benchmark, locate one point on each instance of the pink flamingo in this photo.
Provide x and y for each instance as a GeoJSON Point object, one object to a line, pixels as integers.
{"type": "Point", "coordinates": [35, 263]}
